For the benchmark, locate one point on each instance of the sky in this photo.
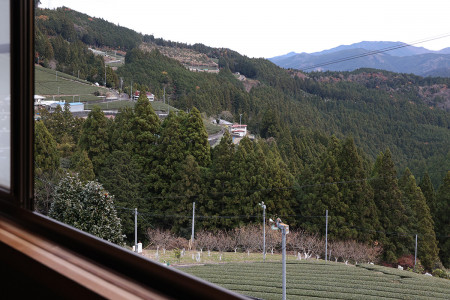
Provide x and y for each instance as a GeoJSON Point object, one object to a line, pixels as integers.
{"type": "Point", "coordinates": [268, 28]}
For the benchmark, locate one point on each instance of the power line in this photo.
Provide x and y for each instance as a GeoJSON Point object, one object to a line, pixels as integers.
{"type": "Point", "coordinates": [373, 52]}
{"type": "Point", "coordinates": [357, 228]}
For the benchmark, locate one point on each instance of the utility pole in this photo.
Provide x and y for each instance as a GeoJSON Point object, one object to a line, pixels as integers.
{"type": "Point", "coordinates": [415, 254]}
{"type": "Point", "coordinates": [264, 229]}
{"type": "Point", "coordinates": [326, 235]}
{"type": "Point", "coordinates": [240, 119]}
{"type": "Point", "coordinates": [105, 75]}
{"type": "Point", "coordinates": [284, 230]}
{"type": "Point", "coordinates": [135, 231]}
{"type": "Point", "coordinates": [283, 245]}
{"type": "Point", "coordinates": [56, 75]}
{"type": "Point", "coordinates": [193, 218]}
{"type": "Point", "coordinates": [131, 94]}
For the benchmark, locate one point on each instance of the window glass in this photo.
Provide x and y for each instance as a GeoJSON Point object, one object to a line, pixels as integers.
{"type": "Point", "coordinates": [5, 96]}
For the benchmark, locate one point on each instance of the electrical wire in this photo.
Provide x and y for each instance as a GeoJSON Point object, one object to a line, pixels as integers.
{"type": "Point", "coordinates": [373, 52]}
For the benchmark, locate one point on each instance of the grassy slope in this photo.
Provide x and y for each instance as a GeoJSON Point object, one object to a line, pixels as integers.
{"type": "Point", "coordinates": [47, 83]}
{"type": "Point", "coordinates": [81, 90]}
{"type": "Point", "coordinates": [321, 280]}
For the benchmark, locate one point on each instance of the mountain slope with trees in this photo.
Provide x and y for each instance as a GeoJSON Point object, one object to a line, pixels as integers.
{"type": "Point", "coordinates": [391, 56]}
{"type": "Point", "coordinates": [324, 141]}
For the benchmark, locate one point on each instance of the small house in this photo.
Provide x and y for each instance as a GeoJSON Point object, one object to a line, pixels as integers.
{"type": "Point", "coordinates": [149, 95]}
{"type": "Point", "coordinates": [238, 130]}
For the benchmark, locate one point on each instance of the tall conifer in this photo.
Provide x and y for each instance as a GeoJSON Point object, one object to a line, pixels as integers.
{"type": "Point", "coordinates": [357, 194]}
{"type": "Point", "coordinates": [221, 178]}
{"type": "Point", "coordinates": [443, 220]}
{"type": "Point", "coordinates": [93, 138]}
{"type": "Point", "coordinates": [428, 191]}
{"type": "Point", "coordinates": [196, 138]}
{"type": "Point", "coordinates": [146, 127]}
{"type": "Point", "coordinates": [420, 221]}
{"type": "Point", "coordinates": [391, 212]}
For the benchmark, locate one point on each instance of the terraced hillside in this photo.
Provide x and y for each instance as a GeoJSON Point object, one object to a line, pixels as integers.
{"type": "Point", "coordinates": [322, 280]}
{"type": "Point", "coordinates": [51, 83]}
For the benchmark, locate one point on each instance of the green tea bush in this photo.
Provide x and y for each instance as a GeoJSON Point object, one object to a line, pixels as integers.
{"type": "Point", "coordinates": [441, 273]}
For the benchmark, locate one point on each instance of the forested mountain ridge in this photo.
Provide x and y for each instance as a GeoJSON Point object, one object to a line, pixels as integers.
{"type": "Point", "coordinates": [379, 109]}
{"type": "Point", "coordinates": [390, 56]}
{"type": "Point", "coordinates": [314, 130]}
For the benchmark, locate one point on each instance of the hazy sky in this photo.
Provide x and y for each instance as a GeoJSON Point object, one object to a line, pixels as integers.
{"type": "Point", "coordinates": [267, 28]}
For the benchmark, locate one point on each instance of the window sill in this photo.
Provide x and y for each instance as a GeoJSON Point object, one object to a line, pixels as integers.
{"type": "Point", "coordinates": [67, 262]}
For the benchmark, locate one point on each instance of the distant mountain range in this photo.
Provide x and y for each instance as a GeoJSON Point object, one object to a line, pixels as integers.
{"type": "Point", "coordinates": [390, 56]}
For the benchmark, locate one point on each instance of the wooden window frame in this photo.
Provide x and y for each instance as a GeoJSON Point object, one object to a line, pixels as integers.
{"type": "Point", "coordinates": [46, 257]}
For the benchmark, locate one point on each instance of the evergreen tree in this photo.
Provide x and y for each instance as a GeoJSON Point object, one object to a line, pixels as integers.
{"type": "Point", "coordinates": [46, 156]}
{"type": "Point", "coordinates": [420, 220]}
{"type": "Point", "coordinates": [325, 194]}
{"type": "Point", "coordinates": [122, 134]}
{"type": "Point", "coordinates": [240, 184]}
{"type": "Point", "coordinates": [428, 191]}
{"type": "Point", "coordinates": [170, 153]}
{"type": "Point", "coordinates": [391, 212]}
{"type": "Point", "coordinates": [46, 166]}
{"type": "Point", "coordinates": [93, 138]}
{"type": "Point", "coordinates": [54, 122]}
{"type": "Point", "coordinates": [88, 207]}
{"type": "Point", "coordinates": [145, 128]}
{"type": "Point", "coordinates": [249, 179]}
{"type": "Point", "coordinates": [123, 177]}
{"type": "Point", "coordinates": [187, 185]}
{"type": "Point", "coordinates": [64, 128]}
{"type": "Point", "coordinates": [357, 194]}
{"type": "Point", "coordinates": [279, 195]}
{"type": "Point", "coordinates": [81, 164]}
{"type": "Point", "coordinates": [443, 220]}
{"type": "Point", "coordinates": [196, 138]}
{"type": "Point", "coordinates": [220, 180]}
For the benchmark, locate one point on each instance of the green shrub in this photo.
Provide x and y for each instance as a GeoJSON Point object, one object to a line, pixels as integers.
{"type": "Point", "coordinates": [441, 273]}
{"type": "Point", "coordinates": [177, 253]}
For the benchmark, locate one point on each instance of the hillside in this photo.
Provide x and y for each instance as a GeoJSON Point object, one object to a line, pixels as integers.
{"type": "Point", "coordinates": [188, 57]}
{"type": "Point", "coordinates": [334, 141]}
{"type": "Point", "coordinates": [390, 56]}
{"type": "Point", "coordinates": [392, 110]}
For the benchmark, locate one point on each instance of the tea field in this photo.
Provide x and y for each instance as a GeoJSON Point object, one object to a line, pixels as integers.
{"type": "Point", "coordinates": [48, 82]}
{"type": "Point", "coordinates": [317, 279]}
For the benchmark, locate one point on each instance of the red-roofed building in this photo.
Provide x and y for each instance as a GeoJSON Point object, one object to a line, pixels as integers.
{"type": "Point", "coordinates": [238, 130]}
{"type": "Point", "coordinates": [150, 96]}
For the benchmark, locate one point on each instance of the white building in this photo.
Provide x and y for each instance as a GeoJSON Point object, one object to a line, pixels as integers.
{"type": "Point", "coordinates": [52, 105]}
{"type": "Point", "coordinates": [238, 130]}
{"type": "Point", "coordinates": [150, 96]}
